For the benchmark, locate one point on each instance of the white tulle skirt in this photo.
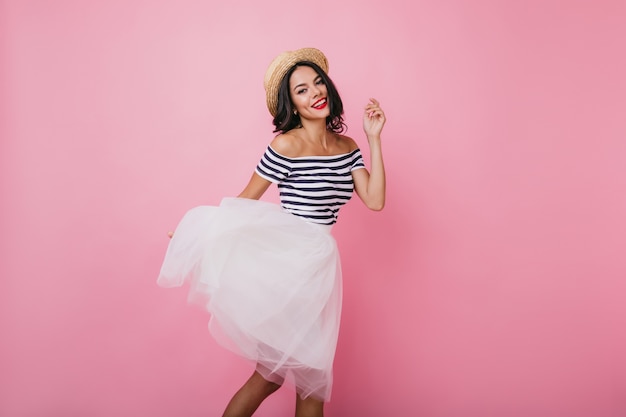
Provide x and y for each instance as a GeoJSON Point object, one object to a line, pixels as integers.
{"type": "Point", "coordinates": [271, 282]}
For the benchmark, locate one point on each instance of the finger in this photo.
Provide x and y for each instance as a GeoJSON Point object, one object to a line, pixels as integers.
{"type": "Point", "coordinates": [373, 102]}
{"type": "Point", "coordinates": [377, 109]}
{"type": "Point", "coordinates": [377, 113]}
{"type": "Point", "coordinates": [370, 109]}
{"type": "Point", "coordinates": [373, 107]}
{"type": "Point", "coordinates": [170, 234]}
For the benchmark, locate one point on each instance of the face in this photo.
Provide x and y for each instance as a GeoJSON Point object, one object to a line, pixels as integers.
{"type": "Point", "coordinates": [308, 93]}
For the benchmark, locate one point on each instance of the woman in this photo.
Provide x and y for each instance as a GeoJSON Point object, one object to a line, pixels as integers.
{"type": "Point", "coordinates": [270, 276]}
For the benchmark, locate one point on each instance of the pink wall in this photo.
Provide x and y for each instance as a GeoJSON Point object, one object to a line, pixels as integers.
{"type": "Point", "coordinates": [493, 283]}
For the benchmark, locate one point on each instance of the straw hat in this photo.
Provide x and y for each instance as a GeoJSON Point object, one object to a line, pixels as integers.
{"type": "Point", "coordinates": [281, 65]}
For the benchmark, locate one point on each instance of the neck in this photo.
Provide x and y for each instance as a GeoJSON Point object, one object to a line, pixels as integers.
{"type": "Point", "coordinates": [315, 131]}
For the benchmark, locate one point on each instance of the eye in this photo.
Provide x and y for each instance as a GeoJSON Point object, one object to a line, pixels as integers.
{"type": "Point", "coordinates": [319, 81]}
{"type": "Point", "coordinates": [303, 90]}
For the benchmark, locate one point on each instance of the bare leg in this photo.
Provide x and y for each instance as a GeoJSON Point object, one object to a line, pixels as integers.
{"type": "Point", "coordinates": [309, 407]}
{"type": "Point", "coordinates": [245, 402]}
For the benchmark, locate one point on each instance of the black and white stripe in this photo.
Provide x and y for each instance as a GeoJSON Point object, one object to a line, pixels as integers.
{"type": "Point", "coordinates": [313, 187]}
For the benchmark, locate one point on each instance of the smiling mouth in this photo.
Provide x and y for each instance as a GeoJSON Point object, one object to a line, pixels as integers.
{"type": "Point", "coordinates": [320, 104]}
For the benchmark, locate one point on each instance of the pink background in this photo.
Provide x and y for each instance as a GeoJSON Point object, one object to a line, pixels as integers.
{"type": "Point", "coordinates": [493, 284]}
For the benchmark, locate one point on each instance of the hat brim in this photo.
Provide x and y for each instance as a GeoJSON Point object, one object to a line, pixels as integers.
{"type": "Point", "coordinates": [281, 65]}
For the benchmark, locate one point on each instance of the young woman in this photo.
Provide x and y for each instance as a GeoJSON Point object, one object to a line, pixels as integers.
{"type": "Point", "coordinates": [270, 276]}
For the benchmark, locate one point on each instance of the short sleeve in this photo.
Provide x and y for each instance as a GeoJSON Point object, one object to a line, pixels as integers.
{"type": "Point", "coordinates": [357, 160]}
{"type": "Point", "coordinates": [273, 167]}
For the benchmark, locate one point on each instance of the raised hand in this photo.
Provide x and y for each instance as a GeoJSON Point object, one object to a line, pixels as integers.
{"type": "Point", "coordinates": [373, 119]}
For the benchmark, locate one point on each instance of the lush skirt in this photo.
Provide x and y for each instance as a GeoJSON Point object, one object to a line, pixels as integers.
{"type": "Point", "coordinates": [271, 282]}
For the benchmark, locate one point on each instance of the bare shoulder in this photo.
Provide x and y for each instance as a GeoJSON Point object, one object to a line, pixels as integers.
{"type": "Point", "coordinates": [346, 143]}
{"type": "Point", "coordinates": [287, 145]}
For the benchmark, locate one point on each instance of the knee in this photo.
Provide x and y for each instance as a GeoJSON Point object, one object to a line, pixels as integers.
{"type": "Point", "coordinates": [271, 387]}
{"type": "Point", "coordinates": [266, 386]}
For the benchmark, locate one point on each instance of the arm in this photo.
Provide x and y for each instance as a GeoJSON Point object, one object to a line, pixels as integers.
{"type": "Point", "coordinates": [370, 187]}
{"type": "Point", "coordinates": [255, 188]}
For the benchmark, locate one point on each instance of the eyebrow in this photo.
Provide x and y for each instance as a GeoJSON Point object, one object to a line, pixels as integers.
{"type": "Point", "coordinates": [304, 84]}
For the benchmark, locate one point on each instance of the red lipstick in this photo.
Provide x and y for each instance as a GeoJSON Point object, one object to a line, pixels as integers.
{"type": "Point", "coordinates": [320, 104]}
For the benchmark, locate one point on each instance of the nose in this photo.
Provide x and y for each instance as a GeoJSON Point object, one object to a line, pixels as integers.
{"type": "Point", "coordinates": [315, 90]}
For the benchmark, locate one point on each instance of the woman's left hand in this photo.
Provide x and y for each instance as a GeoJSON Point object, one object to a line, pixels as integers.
{"type": "Point", "coordinates": [373, 118]}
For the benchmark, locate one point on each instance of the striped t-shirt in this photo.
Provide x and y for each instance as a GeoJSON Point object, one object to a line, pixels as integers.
{"type": "Point", "coordinates": [312, 187]}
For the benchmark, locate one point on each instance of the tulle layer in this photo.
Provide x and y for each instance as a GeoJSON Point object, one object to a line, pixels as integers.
{"type": "Point", "coordinates": [271, 282]}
